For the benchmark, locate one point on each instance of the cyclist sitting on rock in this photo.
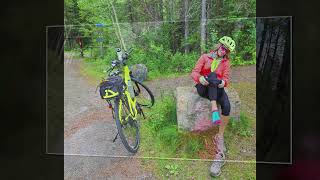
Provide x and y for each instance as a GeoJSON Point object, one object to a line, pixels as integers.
{"type": "Point", "coordinates": [211, 74]}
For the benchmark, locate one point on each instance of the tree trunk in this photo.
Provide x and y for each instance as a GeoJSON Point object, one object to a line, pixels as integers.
{"type": "Point", "coordinates": [262, 42]}
{"type": "Point", "coordinates": [203, 25]}
{"type": "Point", "coordinates": [209, 9]}
{"type": "Point", "coordinates": [161, 10]}
{"type": "Point", "coordinates": [276, 44]}
{"type": "Point", "coordinates": [275, 60]}
{"type": "Point", "coordinates": [131, 16]}
{"type": "Point", "coordinates": [285, 64]}
{"type": "Point", "coordinates": [218, 7]}
{"type": "Point", "coordinates": [265, 58]}
{"type": "Point", "coordinates": [171, 10]}
{"type": "Point", "coordinates": [152, 15]}
{"type": "Point", "coordinates": [186, 26]}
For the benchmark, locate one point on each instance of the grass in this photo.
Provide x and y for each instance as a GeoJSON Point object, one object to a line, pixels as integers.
{"type": "Point", "coordinates": [247, 94]}
{"type": "Point", "coordinates": [198, 169]}
{"type": "Point", "coordinates": [242, 127]}
{"type": "Point", "coordinates": [160, 138]}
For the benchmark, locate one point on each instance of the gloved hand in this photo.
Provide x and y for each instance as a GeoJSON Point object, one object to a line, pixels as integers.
{"type": "Point", "coordinates": [203, 81]}
{"type": "Point", "coordinates": [221, 85]}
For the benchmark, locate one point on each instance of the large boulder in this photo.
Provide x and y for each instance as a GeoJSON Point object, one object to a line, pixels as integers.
{"type": "Point", "coordinates": [194, 112]}
{"type": "Point", "coordinates": [139, 71]}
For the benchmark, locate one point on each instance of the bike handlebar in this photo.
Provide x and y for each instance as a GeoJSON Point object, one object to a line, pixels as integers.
{"type": "Point", "coordinates": [122, 57]}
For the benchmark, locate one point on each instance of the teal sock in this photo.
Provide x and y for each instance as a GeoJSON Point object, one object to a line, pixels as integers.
{"type": "Point", "coordinates": [216, 117]}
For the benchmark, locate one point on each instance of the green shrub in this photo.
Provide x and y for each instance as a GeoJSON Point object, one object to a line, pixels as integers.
{"type": "Point", "coordinates": [162, 114]}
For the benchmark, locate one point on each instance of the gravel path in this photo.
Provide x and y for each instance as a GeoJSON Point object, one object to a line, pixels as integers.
{"type": "Point", "coordinates": [88, 133]}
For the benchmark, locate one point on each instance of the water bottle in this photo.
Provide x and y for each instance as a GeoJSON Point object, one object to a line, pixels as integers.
{"type": "Point", "coordinates": [130, 89]}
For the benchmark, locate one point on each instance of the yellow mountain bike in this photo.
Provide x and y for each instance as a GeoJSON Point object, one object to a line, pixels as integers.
{"type": "Point", "coordinates": [126, 96]}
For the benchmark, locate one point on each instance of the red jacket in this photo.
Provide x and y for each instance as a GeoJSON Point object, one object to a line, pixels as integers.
{"type": "Point", "coordinates": [203, 68]}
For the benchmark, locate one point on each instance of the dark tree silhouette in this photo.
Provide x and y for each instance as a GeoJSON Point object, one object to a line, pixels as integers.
{"type": "Point", "coordinates": [273, 90]}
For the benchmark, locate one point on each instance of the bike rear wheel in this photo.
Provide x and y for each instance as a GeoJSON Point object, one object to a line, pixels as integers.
{"type": "Point", "coordinates": [143, 94]}
{"type": "Point", "coordinates": [127, 127]}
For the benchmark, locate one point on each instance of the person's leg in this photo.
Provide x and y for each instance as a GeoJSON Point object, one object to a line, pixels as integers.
{"type": "Point", "coordinates": [214, 106]}
{"type": "Point", "coordinates": [223, 125]}
{"type": "Point", "coordinates": [81, 52]}
{"type": "Point", "coordinates": [223, 100]}
{"type": "Point", "coordinates": [213, 95]}
{"type": "Point", "coordinates": [219, 138]}
{"type": "Point", "coordinates": [202, 90]}
{"type": "Point", "coordinates": [208, 92]}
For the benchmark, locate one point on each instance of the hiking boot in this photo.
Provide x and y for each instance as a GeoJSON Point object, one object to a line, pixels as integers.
{"type": "Point", "coordinates": [219, 142]}
{"type": "Point", "coordinates": [219, 161]}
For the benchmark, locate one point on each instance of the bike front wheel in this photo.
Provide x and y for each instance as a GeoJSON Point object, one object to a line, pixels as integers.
{"type": "Point", "coordinates": [143, 94]}
{"type": "Point", "coordinates": [128, 128]}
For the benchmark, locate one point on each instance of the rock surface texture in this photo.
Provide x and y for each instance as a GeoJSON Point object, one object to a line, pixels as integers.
{"type": "Point", "coordinates": [193, 111]}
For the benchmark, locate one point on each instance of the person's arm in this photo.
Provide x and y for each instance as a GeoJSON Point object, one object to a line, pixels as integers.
{"type": "Point", "coordinates": [195, 74]}
{"type": "Point", "coordinates": [226, 75]}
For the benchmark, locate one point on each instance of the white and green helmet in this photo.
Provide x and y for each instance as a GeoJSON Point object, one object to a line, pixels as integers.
{"type": "Point", "coordinates": [228, 42]}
